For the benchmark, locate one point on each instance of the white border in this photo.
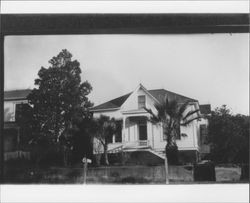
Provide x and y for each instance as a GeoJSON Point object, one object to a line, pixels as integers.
{"type": "Point", "coordinates": [119, 6]}
{"type": "Point", "coordinates": [125, 193]}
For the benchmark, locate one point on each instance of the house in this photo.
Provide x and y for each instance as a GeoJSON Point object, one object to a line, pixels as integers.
{"type": "Point", "coordinates": [12, 102]}
{"type": "Point", "coordinates": [138, 134]}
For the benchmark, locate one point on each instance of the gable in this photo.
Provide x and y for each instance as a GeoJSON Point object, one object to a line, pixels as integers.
{"type": "Point", "coordinates": [132, 102]}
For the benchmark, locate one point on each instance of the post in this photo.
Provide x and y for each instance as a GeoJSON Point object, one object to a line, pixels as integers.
{"type": "Point", "coordinates": [123, 128]}
{"type": "Point", "coordinates": [166, 169]}
{"type": "Point", "coordinates": [85, 168]}
{"type": "Point", "coordinates": [18, 138]}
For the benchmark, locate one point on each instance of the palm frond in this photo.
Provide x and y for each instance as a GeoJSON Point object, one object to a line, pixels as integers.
{"type": "Point", "coordinates": [190, 113]}
{"type": "Point", "coordinates": [183, 108]}
{"type": "Point", "coordinates": [153, 118]}
{"type": "Point", "coordinates": [189, 121]}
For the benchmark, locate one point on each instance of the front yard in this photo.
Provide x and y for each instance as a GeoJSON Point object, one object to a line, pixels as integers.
{"type": "Point", "coordinates": [135, 174]}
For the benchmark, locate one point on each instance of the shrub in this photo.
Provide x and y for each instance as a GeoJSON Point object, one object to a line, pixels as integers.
{"type": "Point", "coordinates": [204, 171]}
{"type": "Point", "coordinates": [244, 172]}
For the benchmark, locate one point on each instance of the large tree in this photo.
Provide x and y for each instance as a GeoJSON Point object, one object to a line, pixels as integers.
{"type": "Point", "coordinates": [171, 115]}
{"type": "Point", "coordinates": [228, 136]}
{"type": "Point", "coordinates": [60, 99]}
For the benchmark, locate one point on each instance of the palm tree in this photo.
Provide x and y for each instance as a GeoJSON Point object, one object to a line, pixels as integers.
{"type": "Point", "coordinates": [171, 115]}
{"type": "Point", "coordinates": [105, 128]}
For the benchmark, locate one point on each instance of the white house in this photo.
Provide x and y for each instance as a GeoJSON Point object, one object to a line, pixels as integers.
{"type": "Point", "coordinates": [138, 134]}
{"type": "Point", "coordinates": [12, 101]}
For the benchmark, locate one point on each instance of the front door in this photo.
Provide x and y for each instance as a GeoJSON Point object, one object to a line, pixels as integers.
{"type": "Point", "coordinates": [143, 131]}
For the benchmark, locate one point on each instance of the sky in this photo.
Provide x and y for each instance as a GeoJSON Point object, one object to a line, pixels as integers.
{"type": "Point", "coordinates": [212, 68]}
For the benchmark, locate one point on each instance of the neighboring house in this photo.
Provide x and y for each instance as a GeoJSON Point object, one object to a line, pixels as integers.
{"type": "Point", "coordinates": [12, 100]}
{"type": "Point", "coordinates": [205, 111]}
{"type": "Point", "coordinates": [138, 134]}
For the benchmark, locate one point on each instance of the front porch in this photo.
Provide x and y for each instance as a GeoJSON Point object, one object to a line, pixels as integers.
{"type": "Point", "coordinates": [136, 133]}
{"type": "Point", "coordinates": [136, 130]}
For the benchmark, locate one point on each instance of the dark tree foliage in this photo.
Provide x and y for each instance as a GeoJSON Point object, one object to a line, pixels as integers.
{"type": "Point", "coordinates": [172, 115]}
{"type": "Point", "coordinates": [82, 141]}
{"type": "Point", "coordinates": [61, 98]}
{"type": "Point", "coordinates": [59, 103]}
{"type": "Point", "coordinates": [105, 128]}
{"type": "Point", "coordinates": [228, 136]}
{"type": "Point", "coordinates": [24, 118]}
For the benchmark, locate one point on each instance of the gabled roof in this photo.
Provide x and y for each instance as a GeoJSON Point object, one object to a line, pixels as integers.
{"type": "Point", "coordinates": [16, 94]}
{"type": "Point", "coordinates": [115, 103]}
{"type": "Point", "coordinates": [205, 109]}
{"type": "Point", "coordinates": [158, 94]}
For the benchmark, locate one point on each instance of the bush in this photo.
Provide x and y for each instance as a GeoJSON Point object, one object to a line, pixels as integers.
{"type": "Point", "coordinates": [132, 180]}
{"type": "Point", "coordinates": [244, 172]}
{"type": "Point", "coordinates": [204, 171]}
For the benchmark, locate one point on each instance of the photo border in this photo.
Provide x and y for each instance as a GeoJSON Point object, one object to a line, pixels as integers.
{"type": "Point", "coordinates": [60, 24]}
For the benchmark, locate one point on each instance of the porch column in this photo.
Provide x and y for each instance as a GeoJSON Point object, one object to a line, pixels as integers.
{"type": "Point", "coordinates": [149, 133]}
{"type": "Point", "coordinates": [123, 128]}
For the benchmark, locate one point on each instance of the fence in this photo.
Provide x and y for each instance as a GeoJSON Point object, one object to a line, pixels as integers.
{"type": "Point", "coordinates": [153, 174]}
{"type": "Point", "coordinates": [16, 155]}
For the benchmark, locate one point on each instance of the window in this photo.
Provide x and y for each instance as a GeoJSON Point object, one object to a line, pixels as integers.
{"type": "Point", "coordinates": [142, 127]}
{"type": "Point", "coordinates": [109, 139]}
{"type": "Point", "coordinates": [18, 113]}
{"type": "Point", "coordinates": [118, 135]}
{"type": "Point", "coordinates": [203, 133]}
{"type": "Point", "coordinates": [141, 101]}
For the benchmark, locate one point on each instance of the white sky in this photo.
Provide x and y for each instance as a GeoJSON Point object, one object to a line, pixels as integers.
{"type": "Point", "coordinates": [213, 68]}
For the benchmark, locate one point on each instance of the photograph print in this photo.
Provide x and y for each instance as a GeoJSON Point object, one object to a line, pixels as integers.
{"type": "Point", "coordinates": [167, 106]}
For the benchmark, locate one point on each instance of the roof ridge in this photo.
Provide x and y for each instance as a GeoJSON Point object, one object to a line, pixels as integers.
{"type": "Point", "coordinates": [168, 91]}
{"type": "Point", "coordinates": [113, 101]}
{"type": "Point", "coordinates": [17, 90]}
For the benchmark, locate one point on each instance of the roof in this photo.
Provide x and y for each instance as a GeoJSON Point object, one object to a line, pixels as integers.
{"type": "Point", "coordinates": [205, 109]}
{"type": "Point", "coordinates": [16, 94]}
{"type": "Point", "coordinates": [114, 103]}
{"type": "Point", "coordinates": [158, 94]}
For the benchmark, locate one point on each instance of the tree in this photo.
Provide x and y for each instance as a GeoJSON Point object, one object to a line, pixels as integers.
{"type": "Point", "coordinates": [60, 99]}
{"type": "Point", "coordinates": [106, 127]}
{"type": "Point", "coordinates": [171, 115]}
{"type": "Point", "coordinates": [24, 118]}
{"type": "Point", "coordinates": [228, 136]}
{"type": "Point", "coordinates": [82, 140]}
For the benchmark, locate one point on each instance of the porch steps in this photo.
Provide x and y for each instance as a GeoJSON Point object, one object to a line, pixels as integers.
{"type": "Point", "coordinates": [121, 148]}
{"type": "Point", "coordinates": [160, 154]}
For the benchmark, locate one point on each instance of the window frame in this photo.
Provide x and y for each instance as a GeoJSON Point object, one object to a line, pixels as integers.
{"type": "Point", "coordinates": [139, 101]}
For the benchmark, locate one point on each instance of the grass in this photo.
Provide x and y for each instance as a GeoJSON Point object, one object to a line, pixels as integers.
{"type": "Point", "coordinates": [227, 174]}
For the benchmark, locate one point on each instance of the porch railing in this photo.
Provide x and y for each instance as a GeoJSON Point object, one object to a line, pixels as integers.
{"type": "Point", "coordinates": [138, 143]}
{"type": "Point", "coordinates": [143, 143]}
{"type": "Point", "coordinates": [116, 149]}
